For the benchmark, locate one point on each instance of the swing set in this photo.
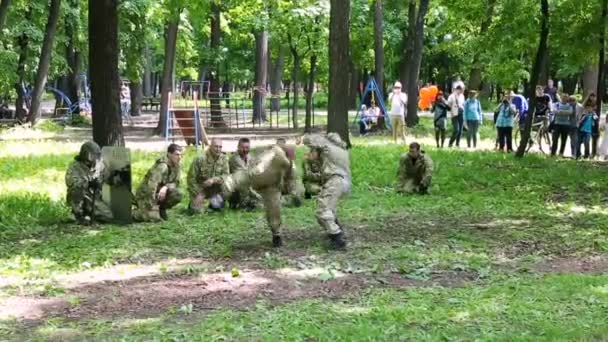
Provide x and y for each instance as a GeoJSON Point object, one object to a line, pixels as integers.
{"type": "Point", "coordinates": [376, 97]}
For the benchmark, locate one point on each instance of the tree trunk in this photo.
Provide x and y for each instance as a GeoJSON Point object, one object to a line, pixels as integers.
{"type": "Point", "coordinates": [412, 88]}
{"type": "Point", "coordinates": [535, 75]}
{"type": "Point", "coordinates": [590, 78]}
{"type": "Point", "coordinates": [137, 95]}
{"type": "Point", "coordinates": [3, 12]}
{"type": "Point", "coordinates": [295, 76]}
{"type": "Point", "coordinates": [73, 58]}
{"type": "Point", "coordinates": [475, 75]}
{"type": "Point", "coordinates": [103, 68]}
{"type": "Point", "coordinates": [353, 92]}
{"type": "Point", "coordinates": [147, 77]}
{"type": "Point", "coordinates": [23, 42]}
{"type": "Point", "coordinates": [409, 43]}
{"type": "Point", "coordinates": [339, 41]}
{"type": "Point", "coordinates": [310, 92]}
{"type": "Point", "coordinates": [171, 29]}
{"type": "Point", "coordinates": [379, 45]}
{"type": "Point", "coordinates": [601, 66]}
{"type": "Point", "coordinates": [216, 35]}
{"type": "Point", "coordinates": [545, 70]}
{"type": "Point", "coordinates": [277, 79]}
{"type": "Point", "coordinates": [45, 59]}
{"type": "Point", "coordinates": [261, 76]}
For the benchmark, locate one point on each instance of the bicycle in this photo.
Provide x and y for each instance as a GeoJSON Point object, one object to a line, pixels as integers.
{"type": "Point", "coordinates": [540, 133]}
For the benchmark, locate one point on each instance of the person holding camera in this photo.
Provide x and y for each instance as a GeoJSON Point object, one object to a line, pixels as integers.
{"type": "Point", "coordinates": [504, 124]}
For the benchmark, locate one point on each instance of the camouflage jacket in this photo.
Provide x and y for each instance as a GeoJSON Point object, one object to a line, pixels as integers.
{"type": "Point", "coordinates": [79, 179]}
{"type": "Point", "coordinates": [161, 174]}
{"type": "Point", "coordinates": [335, 159]}
{"type": "Point", "coordinates": [312, 171]}
{"type": "Point", "coordinates": [237, 163]}
{"type": "Point", "coordinates": [204, 167]}
{"type": "Point", "coordinates": [420, 170]}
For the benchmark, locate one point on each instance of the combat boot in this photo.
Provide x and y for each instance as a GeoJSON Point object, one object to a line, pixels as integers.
{"type": "Point", "coordinates": [336, 241]}
{"type": "Point", "coordinates": [277, 242]}
{"type": "Point", "coordinates": [162, 211]}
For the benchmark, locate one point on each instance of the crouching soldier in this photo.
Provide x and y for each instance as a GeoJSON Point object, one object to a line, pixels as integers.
{"type": "Point", "coordinates": [335, 180]}
{"type": "Point", "coordinates": [312, 174]}
{"type": "Point", "coordinates": [159, 190]}
{"type": "Point", "coordinates": [204, 173]}
{"type": "Point", "coordinates": [415, 171]}
{"type": "Point", "coordinates": [84, 179]}
{"type": "Point", "coordinates": [265, 175]}
{"type": "Point", "coordinates": [246, 199]}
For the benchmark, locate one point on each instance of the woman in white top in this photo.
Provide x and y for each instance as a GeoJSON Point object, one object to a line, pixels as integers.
{"type": "Point", "coordinates": [398, 102]}
{"type": "Point", "coordinates": [456, 103]}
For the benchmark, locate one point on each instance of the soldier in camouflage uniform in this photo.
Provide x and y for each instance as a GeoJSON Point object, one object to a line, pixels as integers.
{"type": "Point", "coordinates": [205, 172]}
{"type": "Point", "coordinates": [84, 179]}
{"type": "Point", "coordinates": [265, 174]}
{"type": "Point", "coordinates": [312, 174]}
{"type": "Point", "coordinates": [292, 190]}
{"type": "Point", "coordinates": [415, 171]}
{"type": "Point", "coordinates": [335, 179]}
{"type": "Point", "coordinates": [159, 190]}
{"type": "Point", "coordinates": [239, 161]}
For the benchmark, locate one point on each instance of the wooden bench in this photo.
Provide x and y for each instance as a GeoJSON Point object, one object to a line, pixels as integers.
{"type": "Point", "coordinates": [150, 103]}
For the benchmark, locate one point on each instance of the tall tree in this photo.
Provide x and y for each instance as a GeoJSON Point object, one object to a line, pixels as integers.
{"type": "Point", "coordinates": [276, 79]}
{"type": "Point", "coordinates": [103, 68]}
{"type": "Point", "coordinates": [408, 43]}
{"type": "Point", "coordinates": [535, 76]}
{"type": "Point", "coordinates": [4, 5]}
{"type": "Point", "coordinates": [475, 77]}
{"type": "Point", "coordinates": [261, 75]}
{"type": "Point", "coordinates": [295, 77]}
{"type": "Point", "coordinates": [379, 44]}
{"type": "Point", "coordinates": [601, 68]}
{"type": "Point", "coordinates": [339, 41]}
{"type": "Point", "coordinates": [45, 59]}
{"type": "Point", "coordinates": [414, 68]}
{"type": "Point", "coordinates": [73, 55]}
{"type": "Point", "coordinates": [216, 36]}
{"type": "Point", "coordinates": [171, 29]}
{"type": "Point", "coordinates": [23, 41]}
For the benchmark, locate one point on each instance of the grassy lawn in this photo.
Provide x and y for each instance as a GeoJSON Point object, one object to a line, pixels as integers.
{"type": "Point", "coordinates": [502, 249]}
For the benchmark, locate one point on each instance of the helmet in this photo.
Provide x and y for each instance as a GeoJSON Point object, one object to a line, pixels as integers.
{"type": "Point", "coordinates": [89, 152]}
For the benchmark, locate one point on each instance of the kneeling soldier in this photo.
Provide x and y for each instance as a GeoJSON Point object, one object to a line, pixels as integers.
{"type": "Point", "coordinates": [159, 190]}
{"type": "Point", "coordinates": [84, 179]}
{"type": "Point", "coordinates": [415, 171]}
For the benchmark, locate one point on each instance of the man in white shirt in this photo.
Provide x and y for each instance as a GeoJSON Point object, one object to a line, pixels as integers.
{"type": "Point", "coordinates": [456, 103]}
{"type": "Point", "coordinates": [398, 102]}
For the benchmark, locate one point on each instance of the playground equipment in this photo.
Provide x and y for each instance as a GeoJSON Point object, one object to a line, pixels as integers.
{"type": "Point", "coordinates": [188, 122]}
{"type": "Point", "coordinates": [377, 97]}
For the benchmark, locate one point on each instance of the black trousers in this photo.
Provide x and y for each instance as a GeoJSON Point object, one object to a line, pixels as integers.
{"type": "Point", "coordinates": [560, 132]}
{"type": "Point", "coordinates": [505, 138]}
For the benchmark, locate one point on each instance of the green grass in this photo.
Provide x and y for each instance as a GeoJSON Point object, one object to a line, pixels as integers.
{"type": "Point", "coordinates": [489, 216]}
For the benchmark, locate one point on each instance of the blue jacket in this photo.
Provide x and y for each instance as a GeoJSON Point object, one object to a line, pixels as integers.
{"type": "Point", "coordinates": [505, 116]}
{"type": "Point", "coordinates": [587, 123]}
{"type": "Point", "coordinates": [472, 110]}
{"type": "Point", "coordinates": [563, 114]}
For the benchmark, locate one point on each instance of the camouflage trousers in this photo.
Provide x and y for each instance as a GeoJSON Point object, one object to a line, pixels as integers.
{"type": "Point", "coordinates": [244, 199]}
{"type": "Point", "coordinates": [82, 205]}
{"type": "Point", "coordinates": [333, 190]}
{"type": "Point", "coordinates": [146, 212]}
{"type": "Point", "coordinates": [271, 197]}
{"type": "Point", "coordinates": [412, 185]}
{"type": "Point", "coordinates": [312, 189]}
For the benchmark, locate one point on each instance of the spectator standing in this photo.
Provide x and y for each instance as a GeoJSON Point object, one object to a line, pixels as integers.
{"type": "Point", "coordinates": [561, 125]}
{"type": "Point", "coordinates": [398, 101]}
{"type": "Point", "coordinates": [456, 104]}
{"type": "Point", "coordinates": [440, 110]}
{"type": "Point", "coordinates": [473, 117]}
{"type": "Point", "coordinates": [504, 124]}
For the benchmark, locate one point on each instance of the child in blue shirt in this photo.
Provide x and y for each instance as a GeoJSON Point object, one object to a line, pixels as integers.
{"type": "Point", "coordinates": [585, 128]}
